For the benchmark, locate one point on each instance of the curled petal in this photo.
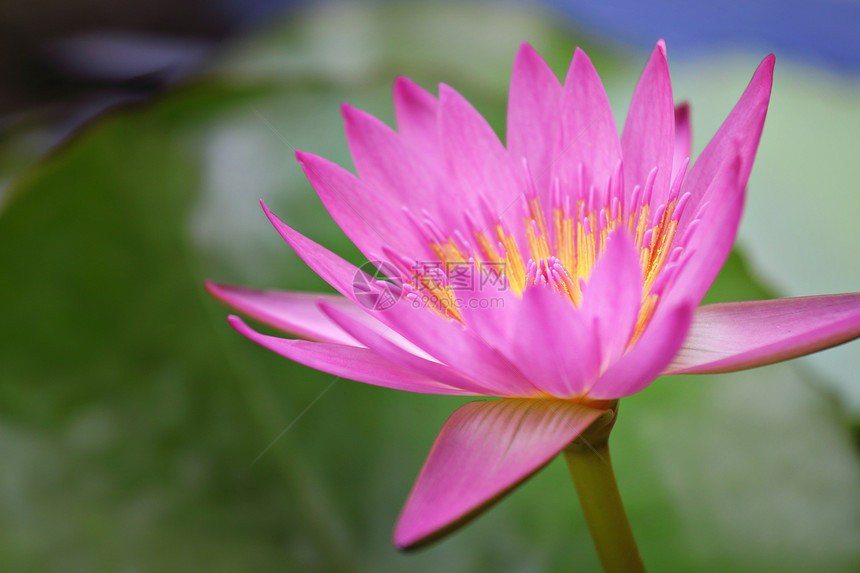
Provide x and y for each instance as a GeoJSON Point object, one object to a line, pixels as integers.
{"type": "Point", "coordinates": [484, 450]}
{"type": "Point", "coordinates": [737, 335]}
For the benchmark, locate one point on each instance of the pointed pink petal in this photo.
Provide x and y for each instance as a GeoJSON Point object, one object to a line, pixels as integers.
{"type": "Point", "coordinates": [337, 272]}
{"type": "Point", "coordinates": [553, 345]}
{"type": "Point", "coordinates": [379, 155]}
{"type": "Point", "coordinates": [533, 111]}
{"type": "Point", "coordinates": [706, 251]}
{"type": "Point", "coordinates": [300, 314]}
{"type": "Point", "coordinates": [351, 362]}
{"type": "Point", "coordinates": [399, 173]}
{"type": "Point", "coordinates": [588, 133]}
{"type": "Point", "coordinates": [738, 135]}
{"type": "Point", "coordinates": [479, 162]}
{"type": "Point", "coordinates": [613, 297]}
{"type": "Point", "coordinates": [739, 335]}
{"type": "Point", "coordinates": [363, 212]}
{"type": "Point", "coordinates": [683, 138]}
{"type": "Point", "coordinates": [648, 357]}
{"type": "Point", "coordinates": [397, 355]}
{"type": "Point", "coordinates": [648, 140]}
{"type": "Point", "coordinates": [294, 312]}
{"type": "Point", "coordinates": [416, 112]}
{"type": "Point", "coordinates": [484, 450]}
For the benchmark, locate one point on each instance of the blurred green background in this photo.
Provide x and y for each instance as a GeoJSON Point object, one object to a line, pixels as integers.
{"type": "Point", "coordinates": [138, 432]}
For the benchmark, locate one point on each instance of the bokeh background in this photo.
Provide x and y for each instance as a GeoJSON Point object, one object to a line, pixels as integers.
{"type": "Point", "coordinates": [139, 433]}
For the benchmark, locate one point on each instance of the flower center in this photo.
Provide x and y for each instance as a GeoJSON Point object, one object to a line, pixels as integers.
{"type": "Point", "coordinates": [561, 249]}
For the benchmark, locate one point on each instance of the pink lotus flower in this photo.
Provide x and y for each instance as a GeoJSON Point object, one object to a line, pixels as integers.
{"type": "Point", "coordinates": [559, 273]}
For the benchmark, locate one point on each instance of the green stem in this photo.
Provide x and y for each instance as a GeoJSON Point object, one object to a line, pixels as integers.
{"type": "Point", "coordinates": [591, 469]}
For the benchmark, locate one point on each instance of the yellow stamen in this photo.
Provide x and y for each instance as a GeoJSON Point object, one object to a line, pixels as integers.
{"type": "Point", "coordinates": [579, 235]}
